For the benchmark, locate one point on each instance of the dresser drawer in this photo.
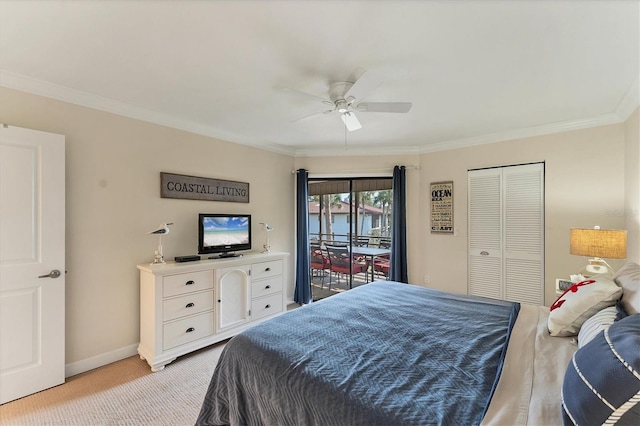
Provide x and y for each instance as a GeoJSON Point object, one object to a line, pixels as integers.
{"type": "Point", "coordinates": [189, 304]}
{"type": "Point", "coordinates": [266, 286]}
{"type": "Point", "coordinates": [174, 285]}
{"type": "Point", "coordinates": [266, 306]}
{"type": "Point", "coordinates": [187, 330]}
{"type": "Point", "coordinates": [266, 269]}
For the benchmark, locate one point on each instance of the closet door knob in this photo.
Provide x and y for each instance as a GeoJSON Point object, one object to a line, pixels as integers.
{"type": "Point", "coordinates": [267, 307]}
{"type": "Point", "coordinates": [267, 269]}
{"type": "Point", "coordinates": [267, 287]}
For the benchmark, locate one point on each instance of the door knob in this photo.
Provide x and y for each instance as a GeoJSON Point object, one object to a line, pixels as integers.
{"type": "Point", "coordinates": [53, 274]}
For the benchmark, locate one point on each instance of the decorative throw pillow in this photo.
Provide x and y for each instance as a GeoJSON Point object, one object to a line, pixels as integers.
{"type": "Point", "coordinates": [628, 277]}
{"type": "Point", "coordinates": [602, 382]}
{"type": "Point", "coordinates": [596, 324]}
{"type": "Point", "coordinates": [579, 302]}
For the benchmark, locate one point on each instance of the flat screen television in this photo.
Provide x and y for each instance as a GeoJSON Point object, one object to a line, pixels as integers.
{"type": "Point", "coordinates": [223, 234]}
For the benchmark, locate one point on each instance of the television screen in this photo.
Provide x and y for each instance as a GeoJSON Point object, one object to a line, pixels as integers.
{"type": "Point", "coordinates": [224, 233]}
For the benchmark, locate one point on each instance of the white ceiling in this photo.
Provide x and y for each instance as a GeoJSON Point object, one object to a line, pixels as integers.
{"type": "Point", "coordinates": [475, 71]}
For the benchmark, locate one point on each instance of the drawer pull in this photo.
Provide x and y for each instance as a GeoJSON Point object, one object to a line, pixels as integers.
{"type": "Point", "coordinates": [267, 307]}
{"type": "Point", "coordinates": [190, 305]}
{"type": "Point", "coordinates": [267, 287]}
{"type": "Point", "coordinates": [190, 329]}
{"type": "Point", "coordinates": [190, 282]}
{"type": "Point", "coordinates": [267, 269]}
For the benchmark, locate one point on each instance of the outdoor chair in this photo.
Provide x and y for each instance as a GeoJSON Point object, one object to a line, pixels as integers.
{"type": "Point", "coordinates": [385, 243]}
{"type": "Point", "coordinates": [341, 262]}
{"type": "Point", "coordinates": [319, 262]}
{"type": "Point", "coordinates": [361, 241]}
{"type": "Point", "coordinates": [382, 265]}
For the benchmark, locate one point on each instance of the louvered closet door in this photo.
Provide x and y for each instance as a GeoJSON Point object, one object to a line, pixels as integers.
{"type": "Point", "coordinates": [485, 233]}
{"type": "Point", "coordinates": [524, 233]}
{"type": "Point", "coordinates": [506, 233]}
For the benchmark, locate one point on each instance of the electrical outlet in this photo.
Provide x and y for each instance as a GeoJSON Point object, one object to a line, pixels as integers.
{"type": "Point", "coordinates": [426, 279]}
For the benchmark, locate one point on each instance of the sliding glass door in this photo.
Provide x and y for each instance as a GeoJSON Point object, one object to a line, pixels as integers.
{"type": "Point", "coordinates": [354, 213]}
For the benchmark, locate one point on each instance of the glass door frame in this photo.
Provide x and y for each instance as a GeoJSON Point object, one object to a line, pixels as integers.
{"type": "Point", "coordinates": [353, 198]}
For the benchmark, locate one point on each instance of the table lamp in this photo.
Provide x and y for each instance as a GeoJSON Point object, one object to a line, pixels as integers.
{"type": "Point", "coordinates": [161, 230]}
{"type": "Point", "coordinates": [598, 244]}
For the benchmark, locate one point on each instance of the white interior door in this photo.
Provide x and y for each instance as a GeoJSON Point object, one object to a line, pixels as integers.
{"type": "Point", "coordinates": [32, 249]}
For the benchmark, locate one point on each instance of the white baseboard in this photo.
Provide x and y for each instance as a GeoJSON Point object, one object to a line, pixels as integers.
{"type": "Point", "coordinates": [99, 360]}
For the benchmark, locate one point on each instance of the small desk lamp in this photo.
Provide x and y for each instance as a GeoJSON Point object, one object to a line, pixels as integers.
{"type": "Point", "coordinates": [598, 243]}
{"type": "Point", "coordinates": [267, 228]}
{"type": "Point", "coordinates": [161, 230]}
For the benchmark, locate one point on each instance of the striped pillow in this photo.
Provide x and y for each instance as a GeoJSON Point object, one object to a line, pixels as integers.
{"type": "Point", "coordinates": [594, 325]}
{"type": "Point", "coordinates": [602, 382]}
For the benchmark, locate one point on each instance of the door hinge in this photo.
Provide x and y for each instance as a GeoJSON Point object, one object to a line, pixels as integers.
{"type": "Point", "coordinates": [249, 272]}
{"type": "Point", "coordinates": [249, 312]}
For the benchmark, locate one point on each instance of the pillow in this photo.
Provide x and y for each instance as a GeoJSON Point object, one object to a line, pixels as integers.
{"type": "Point", "coordinates": [579, 302]}
{"type": "Point", "coordinates": [596, 324]}
{"type": "Point", "coordinates": [628, 277]}
{"type": "Point", "coordinates": [601, 384]}
{"type": "Point", "coordinates": [621, 312]}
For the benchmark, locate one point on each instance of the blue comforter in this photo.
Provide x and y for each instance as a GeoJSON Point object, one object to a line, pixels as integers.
{"type": "Point", "coordinates": [382, 354]}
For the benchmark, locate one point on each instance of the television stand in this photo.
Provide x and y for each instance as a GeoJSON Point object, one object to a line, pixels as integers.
{"type": "Point", "coordinates": [225, 255]}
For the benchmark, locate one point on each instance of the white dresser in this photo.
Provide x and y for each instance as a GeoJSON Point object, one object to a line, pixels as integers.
{"type": "Point", "coordinates": [187, 306]}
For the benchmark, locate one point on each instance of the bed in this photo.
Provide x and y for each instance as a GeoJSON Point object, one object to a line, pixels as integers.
{"type": "Point", "coordinates": [389, 353]}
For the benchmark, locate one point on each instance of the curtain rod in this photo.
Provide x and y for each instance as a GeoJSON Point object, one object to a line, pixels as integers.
{"type": "Point", "coordinates": [363, 171]}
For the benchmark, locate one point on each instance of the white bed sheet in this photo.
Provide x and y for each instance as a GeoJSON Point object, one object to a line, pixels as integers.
{"type": "Point", "coordinates": [528, 392]}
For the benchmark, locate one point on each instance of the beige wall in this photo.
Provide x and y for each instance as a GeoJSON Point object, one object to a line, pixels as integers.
{"type": "Point", "coordinates": [113, 167]}
{"type": "Point", "coordinates": [584, 187]}
{"type": "Point", "coordinates": [632, 186]}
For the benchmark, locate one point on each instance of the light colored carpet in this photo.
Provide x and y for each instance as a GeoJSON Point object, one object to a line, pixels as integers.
{"type": "Point", "coordinates": [123, 393]}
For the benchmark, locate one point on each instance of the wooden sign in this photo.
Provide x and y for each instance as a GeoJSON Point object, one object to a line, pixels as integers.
{"type": "Point", "coordinates": [442, 207]}
{"type": "Point", "coordinates": [199, 188]}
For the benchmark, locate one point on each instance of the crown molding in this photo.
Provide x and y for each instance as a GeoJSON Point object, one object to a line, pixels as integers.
{"type": "Point", "coordinates": [630, 102]}
{"type": "Point", "coordinates": [42, 88]}
{"type": "Point", "coordinates": [66, 94]}
{"type": "Point", "coordinates": [350, 151]}
{"type": "Point", "coordinates": [527, 132]}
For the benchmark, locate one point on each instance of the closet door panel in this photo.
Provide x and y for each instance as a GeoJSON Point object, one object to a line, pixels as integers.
{"type": "Point", "coordinates": [524, 233]}
{"type": "Point", "coordinates": [485, 233]}
{"type": "Point", "coordinates": [485, 276]}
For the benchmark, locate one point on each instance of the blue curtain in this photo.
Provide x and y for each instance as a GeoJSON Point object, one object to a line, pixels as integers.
{"type": "Point", "coordinates": [398, 268]}
{"type": "Point", "coordinates": [302, 294]}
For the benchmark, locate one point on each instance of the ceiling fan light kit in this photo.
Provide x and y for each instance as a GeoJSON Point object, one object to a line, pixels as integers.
{"type": "Point", "coordinates": [351, 121]}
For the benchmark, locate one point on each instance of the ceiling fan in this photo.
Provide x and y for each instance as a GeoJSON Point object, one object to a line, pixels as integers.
{"type": "Point", "coordinates": [345, 97]}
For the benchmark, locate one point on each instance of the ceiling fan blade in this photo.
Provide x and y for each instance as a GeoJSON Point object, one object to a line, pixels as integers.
{"type": "Point", "coordinates": [366, 84]}
{"type": "Point", "coordinates": [351, 121]}
{"type": "Point", "coordinates": [401, 107]}
{"type": "Point", "coordinates": [296, 92]}
{"type": "Point", "coordinates": [315, 114]}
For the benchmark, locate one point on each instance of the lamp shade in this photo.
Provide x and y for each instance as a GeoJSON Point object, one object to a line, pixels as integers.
{"type": "Point", "coordinates": [604, 243]}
